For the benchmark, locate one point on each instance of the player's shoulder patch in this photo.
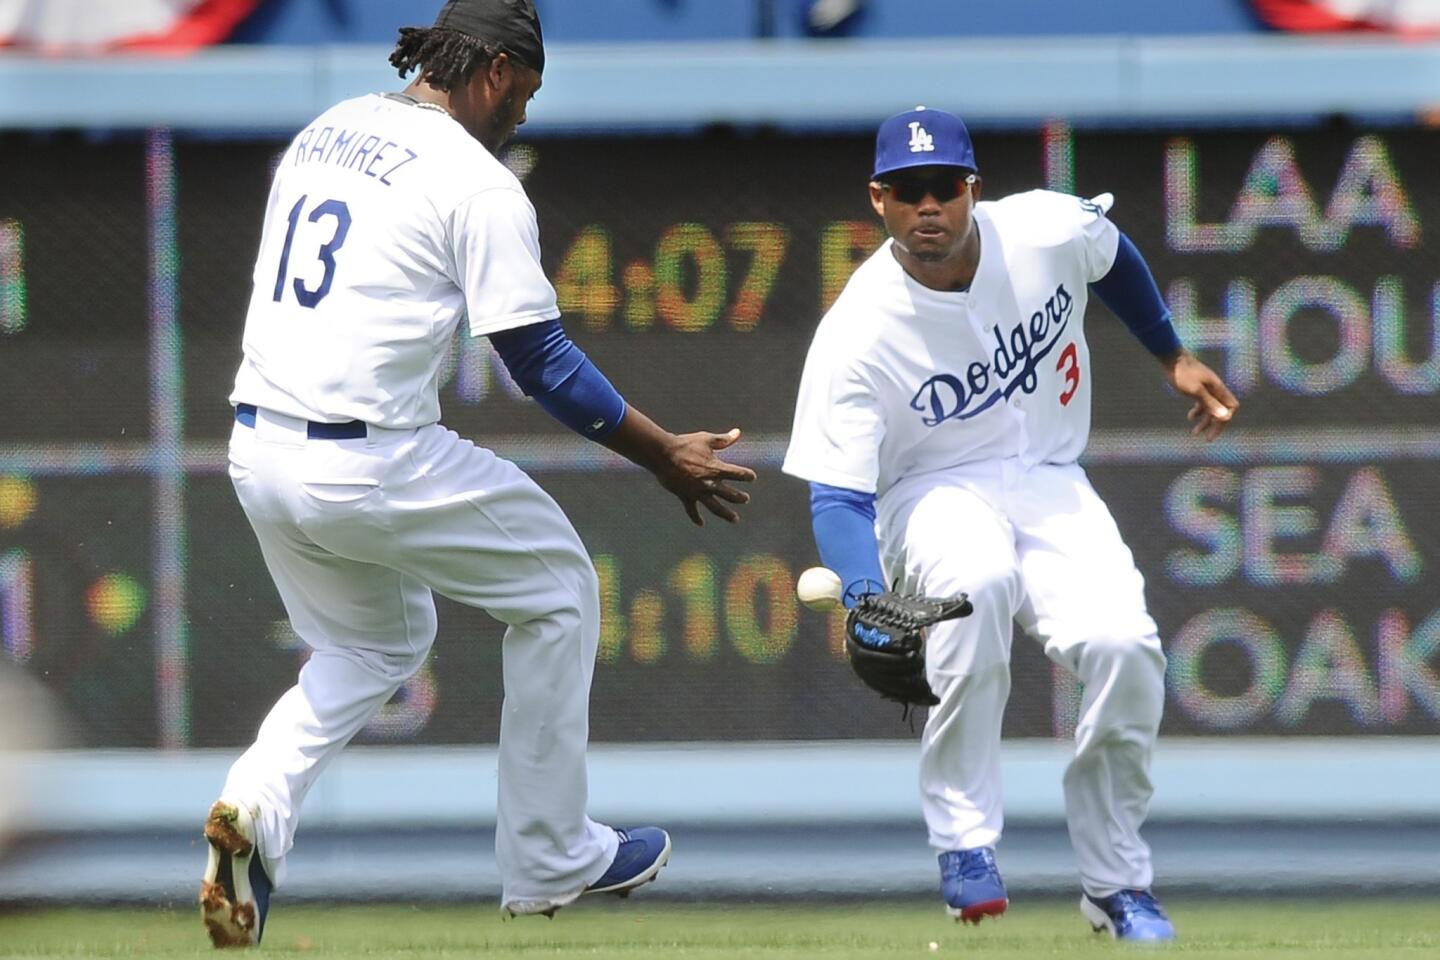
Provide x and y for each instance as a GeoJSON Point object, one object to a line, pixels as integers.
{"type": "Point", "coordinates": [1052, 201]}
{"type": "Point", "coordinates": [1046, 217]}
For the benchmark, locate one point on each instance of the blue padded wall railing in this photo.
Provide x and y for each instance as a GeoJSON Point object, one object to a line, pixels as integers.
{"type": "Point", "coordinates": [825, 84]}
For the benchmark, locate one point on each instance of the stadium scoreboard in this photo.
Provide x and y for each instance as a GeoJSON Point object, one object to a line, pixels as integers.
{"type": "Point", "coordinates": [1291, 565]}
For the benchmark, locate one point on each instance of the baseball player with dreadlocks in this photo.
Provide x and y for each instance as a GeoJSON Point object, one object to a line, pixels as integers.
{"type": "Point", "coordinates": [943, 404]}
{"type": "Point", "coordinates": [390, 221]}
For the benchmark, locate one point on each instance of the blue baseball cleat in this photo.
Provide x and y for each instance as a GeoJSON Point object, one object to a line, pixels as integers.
{"type": "Point", "coordinates": [1128, 915]}
{"type": "Point", "coordinates": [643, 851]}
{"type": "Point", "coordinates": [235, 892]}
{"type": "Point", "coordinates": [971, 884]}
{"type": "Point", "coordinates": [639, 857]}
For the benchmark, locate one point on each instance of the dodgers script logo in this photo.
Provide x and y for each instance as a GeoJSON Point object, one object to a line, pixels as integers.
{"type": "Point", "coordinates": [1012, 366]}
{"type": "Point", "coordinates": [920, 139]}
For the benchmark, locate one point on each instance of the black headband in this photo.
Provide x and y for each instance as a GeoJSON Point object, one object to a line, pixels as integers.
{"type": "Point", "coordinates": [511, 25]}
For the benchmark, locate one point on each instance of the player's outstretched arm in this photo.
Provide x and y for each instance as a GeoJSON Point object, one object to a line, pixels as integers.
{"type": "Point", "coordinates": [1129, 290]}
{"type": "Point", "coordinates": [558, 375]}
{"type": "Point", "coordinates": [1215, 405]}
{"type": "Point", "coordinates": [685, 464]}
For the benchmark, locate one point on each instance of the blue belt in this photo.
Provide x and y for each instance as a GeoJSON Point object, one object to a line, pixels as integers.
{"type": "Point", "coordinates": [349, 430]}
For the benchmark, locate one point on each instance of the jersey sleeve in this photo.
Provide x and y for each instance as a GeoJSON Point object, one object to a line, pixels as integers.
{"type": "Point", "coordinates": [495, 248]}
{"type": "Point", "coordinates": [839, 425]}
{"type": "Point", "coordinates": [1097, 237]}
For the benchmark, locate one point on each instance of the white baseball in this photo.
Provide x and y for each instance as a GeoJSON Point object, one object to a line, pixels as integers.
{"type": "Point", "coordinates": [819, 588]}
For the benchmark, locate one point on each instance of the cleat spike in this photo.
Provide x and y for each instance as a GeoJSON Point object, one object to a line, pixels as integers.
{"type": "Point", "coordinates": [971, 885]}
{"type": "Point", "coordinates": [235, 890]}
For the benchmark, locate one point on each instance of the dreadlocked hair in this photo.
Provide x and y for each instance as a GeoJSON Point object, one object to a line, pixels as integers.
{"type": "Point", "coordinates": [444, 57]}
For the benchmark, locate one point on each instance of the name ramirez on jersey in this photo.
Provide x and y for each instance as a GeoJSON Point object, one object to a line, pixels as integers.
{"type": "Point", "coordinates": [366, 153]}
{"type": "Point", "coordinates": [902, 379]}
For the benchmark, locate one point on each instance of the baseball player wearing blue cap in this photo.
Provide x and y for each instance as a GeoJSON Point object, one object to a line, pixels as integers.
{"type": "Point", "coordinates": [944, 402]}
{"type": "Point", "coordinates": [390, 221]}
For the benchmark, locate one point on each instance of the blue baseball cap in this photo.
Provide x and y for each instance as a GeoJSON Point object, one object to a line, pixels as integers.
{"type": "Point", "coordinates": [922, 137]}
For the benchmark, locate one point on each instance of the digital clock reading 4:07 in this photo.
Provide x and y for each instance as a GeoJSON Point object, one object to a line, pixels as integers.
{"type": "Point", "coordinates": [698, 277]}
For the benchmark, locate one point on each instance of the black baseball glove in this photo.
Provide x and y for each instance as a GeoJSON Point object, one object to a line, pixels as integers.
{"type": "Point", "coordinates": [885, 640]}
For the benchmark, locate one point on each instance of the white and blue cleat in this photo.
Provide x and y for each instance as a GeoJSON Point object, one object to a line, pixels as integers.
{"type": "Point", "coordinates": [235, 892]}
{"type": "Point", "coordinates": [638, 858]}
{"type": "Point", "coordinates": [971, 885]}
{"type": "Point", "coordinates": [641, 854]}
{"type": "Point", "coordinates": [1133, 915]}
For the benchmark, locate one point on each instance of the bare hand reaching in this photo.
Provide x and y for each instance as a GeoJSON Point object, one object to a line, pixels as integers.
{"type": "Point", "coordinates": [685, 464]}
{"type": "Point", "coordinates": [1215, 405]}
{"type": "Point", "coordinates": [698, 477]}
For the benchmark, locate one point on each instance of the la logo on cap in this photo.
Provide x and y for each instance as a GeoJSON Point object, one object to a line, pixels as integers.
{"type": "Point", "coordinates": [920, 139]}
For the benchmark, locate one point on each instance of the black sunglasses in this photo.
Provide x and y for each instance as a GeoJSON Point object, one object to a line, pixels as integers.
{"type": "Point", "coordinates": [943, 188]}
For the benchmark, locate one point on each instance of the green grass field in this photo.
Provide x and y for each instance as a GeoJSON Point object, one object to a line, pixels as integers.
{"type": "Point", "coordinates": [1372, 929]}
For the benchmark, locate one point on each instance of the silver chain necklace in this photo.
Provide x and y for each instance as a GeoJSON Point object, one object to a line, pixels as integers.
{"type": "Point", "coordinates": [414, 102]}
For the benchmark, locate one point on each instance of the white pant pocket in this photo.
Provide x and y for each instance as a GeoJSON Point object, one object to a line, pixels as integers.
{"type": "Point", "coordinates": [340, 489]}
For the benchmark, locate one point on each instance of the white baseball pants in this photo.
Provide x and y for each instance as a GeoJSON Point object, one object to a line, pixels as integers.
{"type": "Point", "coordinates": [1034, 545]}
{"type": "Point", "coordinates": [356, 534]}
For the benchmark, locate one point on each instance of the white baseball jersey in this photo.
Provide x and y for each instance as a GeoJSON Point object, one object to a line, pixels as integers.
{"type": "Point", "coordinates": [386, 224]}
{"type": "Point", "coordinates": [902, 379]}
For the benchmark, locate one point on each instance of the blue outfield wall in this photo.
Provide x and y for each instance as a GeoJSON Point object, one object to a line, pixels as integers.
{"type": "Point", "coordinates": [310, 22]}
{"type": "Point", "coordinates": [890, 19]}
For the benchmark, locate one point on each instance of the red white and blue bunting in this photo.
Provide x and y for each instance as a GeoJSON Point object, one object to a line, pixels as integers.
{"type": "Point", "coordinates": [89, 26]}
{"type": "Point", "coordinates": [1406, 17]}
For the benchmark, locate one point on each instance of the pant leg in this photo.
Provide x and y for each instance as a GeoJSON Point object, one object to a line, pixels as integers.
{"type": "Point", "coordinates": [1107, 784]}
{"type": "Point", "coordinates": [960, 788]}
{"type": "Point", "coordinates": [435, 512]}
{"type": "Point", "coordinates": [943, 537]}
{"type": "Point", "coordinates": [492, 538]}
{"type": "Point", "coordinates": [369, 629]}
{"type": "Point", "coordinates": [1085, 601]}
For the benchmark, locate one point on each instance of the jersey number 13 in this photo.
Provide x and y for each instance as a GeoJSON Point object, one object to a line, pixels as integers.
{"type": "Point", "coordinates": [326, 255]}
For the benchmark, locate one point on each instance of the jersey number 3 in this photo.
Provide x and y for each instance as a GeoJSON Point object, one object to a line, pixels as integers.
{"type": "Point", "coordinates": [1069, 366]}
{"type": "Point", "coordinates": [329, 208]}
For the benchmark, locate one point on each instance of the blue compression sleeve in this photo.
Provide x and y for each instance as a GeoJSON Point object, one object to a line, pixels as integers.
{"type": "Point", "coordinates": [844, 524]}
{"type": "Point", "coordinates": [549, 367]}
{"type": "Point", "coordinates": [539, 355]}
{"type": "Point", "coordinates": [585, 402]}
{"type": "Point", "coordinates": [1130, 292]}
